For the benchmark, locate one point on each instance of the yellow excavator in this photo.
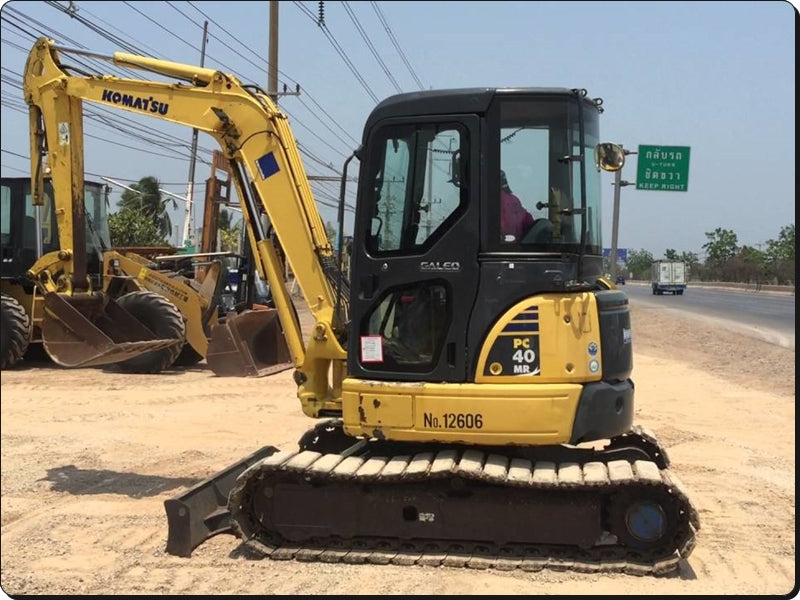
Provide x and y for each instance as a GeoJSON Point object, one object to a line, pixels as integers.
{"type": "Point", "coordinates": [471, 385]}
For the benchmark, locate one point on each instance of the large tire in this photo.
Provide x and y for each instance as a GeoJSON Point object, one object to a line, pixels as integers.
{"type": "Point", "coordinates": [14, 332]}
{"type": "Point", "coordinates": [161, 317]}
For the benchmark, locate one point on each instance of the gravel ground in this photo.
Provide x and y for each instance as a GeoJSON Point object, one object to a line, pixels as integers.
{"type": "Point", "coordinates": [89, 456]}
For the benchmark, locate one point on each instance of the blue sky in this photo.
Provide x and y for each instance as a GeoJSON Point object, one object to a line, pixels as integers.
{"type": "Point", "coordinates": [715, 76]}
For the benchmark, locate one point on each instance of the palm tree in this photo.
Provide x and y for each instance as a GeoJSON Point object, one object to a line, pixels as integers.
{"type": "Point", "coordinates": [148, 199]}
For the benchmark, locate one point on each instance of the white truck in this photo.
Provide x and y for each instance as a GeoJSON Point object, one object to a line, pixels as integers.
{"type": "Point", "coordinates": [668, 276]}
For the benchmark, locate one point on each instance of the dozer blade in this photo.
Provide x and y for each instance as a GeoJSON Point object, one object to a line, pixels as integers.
{"type": "Point", "coordinates": [202, 511]}
{"type": "Point", "coordinates": [87, 330]}
{"type": "Point", "coordinates": [248, 344]}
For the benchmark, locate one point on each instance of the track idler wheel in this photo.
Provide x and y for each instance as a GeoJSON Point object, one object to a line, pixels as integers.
{"type": "Point", "coordinates": [645, 519]}
{"type": "Point", "coordinates": [161, 317]}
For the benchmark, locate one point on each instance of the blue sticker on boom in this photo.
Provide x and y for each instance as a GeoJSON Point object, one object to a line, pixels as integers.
{"type": "Point", "coordinates": [267, 165]}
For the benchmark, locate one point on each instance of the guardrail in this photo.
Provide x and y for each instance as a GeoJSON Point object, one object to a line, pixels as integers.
{"type": "Point", "coordinates": [747, 287]}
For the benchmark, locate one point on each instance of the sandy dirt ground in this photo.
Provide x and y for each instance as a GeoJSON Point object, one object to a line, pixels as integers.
{"type": "Point", "coordinates": [89, 456]}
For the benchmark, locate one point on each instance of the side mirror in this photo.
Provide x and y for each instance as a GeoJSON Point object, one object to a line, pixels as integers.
{"type": "Point", "coordinates": [609, 157]}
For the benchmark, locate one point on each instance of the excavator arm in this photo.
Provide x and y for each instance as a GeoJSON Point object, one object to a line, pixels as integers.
{"type": "Point", "coordinates": [268, 174]}
{"type": "Point", "coordinates": [81, 326]}
{"type": "Point", "coordinates": [58, 128]}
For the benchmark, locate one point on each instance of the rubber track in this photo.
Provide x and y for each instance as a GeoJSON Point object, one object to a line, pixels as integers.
{"type": "Point", "coordinates": [476, 465]}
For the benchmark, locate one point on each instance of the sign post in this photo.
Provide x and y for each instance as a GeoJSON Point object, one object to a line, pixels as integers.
{"type": "Point", "coordinates": [663, 168]}
{"type": "Point", "coordinates": [659, 168]}
{"type": "Point", "coordinates": [618, 184]}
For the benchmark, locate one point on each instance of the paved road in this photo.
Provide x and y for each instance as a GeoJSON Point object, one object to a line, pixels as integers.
{"type": "Point", "coordinates": [766, 315]}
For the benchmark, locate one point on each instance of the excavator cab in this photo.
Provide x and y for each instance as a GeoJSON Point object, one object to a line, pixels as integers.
{"type": "Point", "coordinates": [441, 267]}
{"type": "Point", "coordinates": [30, 231]}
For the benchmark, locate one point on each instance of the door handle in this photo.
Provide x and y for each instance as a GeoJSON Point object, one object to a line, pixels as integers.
{"type": "Point", "coordinates": [367, 285]}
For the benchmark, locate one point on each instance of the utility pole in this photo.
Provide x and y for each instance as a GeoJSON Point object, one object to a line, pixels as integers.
{"type": "Point", "coordinates": [272, 92]}
{"type": "Point", "coordinates": [618, 183]}
{"type": "Point", "coordinates": [272, 80]}
{"type": "Point", "coordinates": [188, 219]}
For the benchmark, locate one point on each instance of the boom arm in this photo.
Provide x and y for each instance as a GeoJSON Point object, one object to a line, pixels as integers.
{"type": "Point", "coordinates": [267, 170]}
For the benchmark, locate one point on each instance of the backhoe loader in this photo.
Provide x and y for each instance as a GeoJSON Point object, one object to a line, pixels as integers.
{"type": "Point", "coordinates": [167, 303]}
{"type": "Point", "coordinates": [52, 287]}
{"type": "Point", "coordinates": [471, 389]}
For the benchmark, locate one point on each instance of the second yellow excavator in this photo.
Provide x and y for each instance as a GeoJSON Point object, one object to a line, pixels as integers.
{"type": "Point", "coordinates": [64, 288]}
{"type": "Point", "coordinates": [471, 383]}
{"type": "Point", "coordinates": [130, 311]}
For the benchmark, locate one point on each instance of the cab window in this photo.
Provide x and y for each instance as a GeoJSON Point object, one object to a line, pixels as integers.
{"type": "Point", "coordinates": [416, 194]}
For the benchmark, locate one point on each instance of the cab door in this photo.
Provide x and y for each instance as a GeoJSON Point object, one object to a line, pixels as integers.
{"type": "Point", "coordinates": [415, 267]}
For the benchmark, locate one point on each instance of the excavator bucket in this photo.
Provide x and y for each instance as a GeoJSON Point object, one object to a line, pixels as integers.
{"type": "Point", "coordinates": [87, 330]}
{"type": "Point", "coordinates": [248, 344]}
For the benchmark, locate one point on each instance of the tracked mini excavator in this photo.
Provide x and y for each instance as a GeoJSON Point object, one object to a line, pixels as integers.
{"type": "Point", "coordinates": [472, 387]}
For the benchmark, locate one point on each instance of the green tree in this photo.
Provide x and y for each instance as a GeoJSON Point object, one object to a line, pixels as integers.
{"type": "Point", "coordinates": [639, 263]}
{"type": "Point", "coordinates": [671, 254]}
{"type": "Point", "coordinates": [146, 197]}
{"type": "Point", "coordinates": [749, 265]}
{"type": "Point", "coordinates": [692, 262]}
{"type": "Point", "coordinates": [783, 247]}
{"type": "Point", "coordinates": [129, 227]}
{"type": "Point", "coordinates": [720, 247]}
{"type": "Point", "coordinates": [225, 220]}
{"type": "Point", "coordinates": [779, 256]}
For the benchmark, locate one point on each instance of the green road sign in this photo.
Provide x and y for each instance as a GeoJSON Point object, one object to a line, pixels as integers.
{"type": "Point", "coordinates": [663, 168]}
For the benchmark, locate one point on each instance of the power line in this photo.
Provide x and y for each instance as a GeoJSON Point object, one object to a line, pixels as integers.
{"type": "Point", "coordinates": [27, 158]}
{"type": "Point", "coordinates": [73, 13]}
{"type": "Point", "coordinates": [120, 42]}
{"type": "Point", "coordinates": [44, 30]}
{"type": "Point", "coordinates": [96, 18]}
{"type": "Point", "coordinates": [293, 118]}
{"type": "Point", "coordinates": [120, 144]}
{"type": "Point", "coordinates": [140, 133]}
{"type": "Point", "coordinates": [340, 51]}
{"type": "Point", "coordinates": [371, 47]}
{"type": "Point", "coordinates": [117, 125]}
{"type": "Point", "coordinates": [402, 54]}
